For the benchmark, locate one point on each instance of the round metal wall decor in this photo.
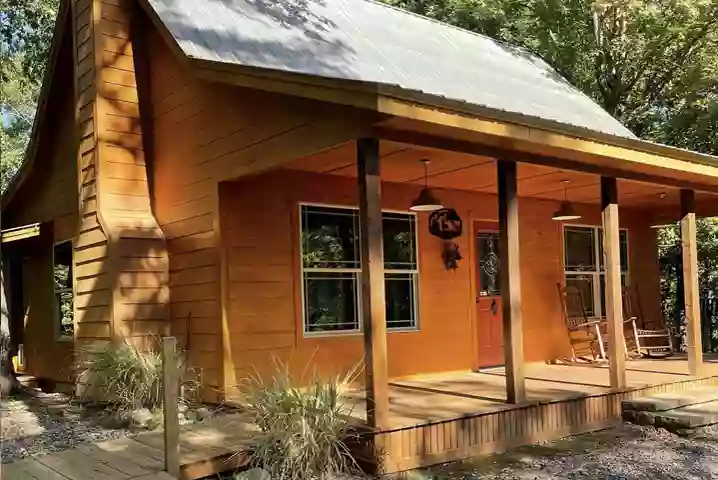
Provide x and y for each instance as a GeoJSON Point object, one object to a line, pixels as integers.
{"type": "Point", "coordinates": [445, 223]}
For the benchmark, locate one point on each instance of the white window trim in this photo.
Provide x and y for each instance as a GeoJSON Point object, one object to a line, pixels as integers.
{"type": "Point", "coordinates": [56, 313]}
{"type": "Point", "coordinates": [359, 330]}
{"type": "Point", "coordinates": [597, 273]}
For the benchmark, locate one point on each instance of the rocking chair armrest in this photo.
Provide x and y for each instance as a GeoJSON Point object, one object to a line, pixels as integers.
{"type": "Point", "coordinates": [632, 319]}
{"type": "Point", "coordinates": [587, 324]}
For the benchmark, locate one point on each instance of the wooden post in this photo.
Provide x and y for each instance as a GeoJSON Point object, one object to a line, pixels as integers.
{"type": "Point", "coordinates": [614, 300]}
{"type": "Point", "coordinates": [511, 282]}
{"type": "Point", "coordinates": [372, 263]}
{"type": "Point", "coordinates": [170, 385]}
{"type": "Point", "coordinates": [691, 294]}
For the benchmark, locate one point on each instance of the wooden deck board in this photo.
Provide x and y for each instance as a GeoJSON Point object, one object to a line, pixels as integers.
{"type": "Point", "coordinates": [29, 469]}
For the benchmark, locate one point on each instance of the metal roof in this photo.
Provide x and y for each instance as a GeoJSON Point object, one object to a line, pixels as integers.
{"type": "Point", "coordinates": [366, 41]}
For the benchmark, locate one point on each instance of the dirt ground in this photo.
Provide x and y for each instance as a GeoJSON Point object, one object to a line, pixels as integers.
{"type": "Point", "coordinates": [626, 452]}
{"type": "Point", "coordinates": [32, 423]}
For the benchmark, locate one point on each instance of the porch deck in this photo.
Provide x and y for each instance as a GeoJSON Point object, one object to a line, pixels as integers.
{"type": "Point", "coordinates": [444, 417]}
{"type": "Point", "coordinates": [435, 418]}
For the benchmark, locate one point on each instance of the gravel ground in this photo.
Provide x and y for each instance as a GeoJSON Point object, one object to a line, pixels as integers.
{"type": "Point", "coordinates": [627, 452]}
{"type": "Point", "coordinates": [33, 423]}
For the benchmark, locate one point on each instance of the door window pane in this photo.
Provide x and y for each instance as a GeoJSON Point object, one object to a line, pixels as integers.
{"type": "Point", "coordinates": [489, 264]}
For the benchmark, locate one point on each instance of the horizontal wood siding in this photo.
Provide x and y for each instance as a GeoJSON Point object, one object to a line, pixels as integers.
{"type": "Point", "coordinates": [260, 228]}
{"type": "Point", "coordinates": [206, 133]}
{"type": "Point", "coordinates": [93, 275]}
{"type": "Point", "coordinates": [140, 283]}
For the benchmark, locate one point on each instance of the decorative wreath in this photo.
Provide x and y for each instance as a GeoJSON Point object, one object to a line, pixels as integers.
{"type": "Point", "coordinates": [445, 223]}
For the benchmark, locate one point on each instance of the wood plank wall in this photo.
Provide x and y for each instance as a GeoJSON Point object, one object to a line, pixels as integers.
{"type": "Point", "coordinates": [120, 253]}
{"type": "Point", "coordinates": [206, 133]}
{"type": "Point", "coordinates": [260, 228]}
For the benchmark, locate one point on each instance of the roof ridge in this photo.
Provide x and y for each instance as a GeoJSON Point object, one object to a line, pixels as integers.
{"type": "Point", "coordinates": [464, 30]}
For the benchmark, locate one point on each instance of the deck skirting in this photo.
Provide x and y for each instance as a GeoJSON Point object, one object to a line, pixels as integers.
{"type": "Point", "coordinates": [513, 426]}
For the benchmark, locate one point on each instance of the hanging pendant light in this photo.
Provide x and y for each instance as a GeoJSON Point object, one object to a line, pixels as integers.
{"type": "Point", "coordinates": [566, 210]}
{"type": "Point", "coordinates": [426, 201]}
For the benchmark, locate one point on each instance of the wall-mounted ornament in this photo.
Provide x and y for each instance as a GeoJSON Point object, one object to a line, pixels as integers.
{"type": "Point", "coordinates": [451, 255]}
{"type": "Point", "coordinates": [445, 224]}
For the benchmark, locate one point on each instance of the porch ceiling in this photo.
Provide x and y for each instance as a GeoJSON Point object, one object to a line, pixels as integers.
{"type": "Point", "coordinates": [452, 170]}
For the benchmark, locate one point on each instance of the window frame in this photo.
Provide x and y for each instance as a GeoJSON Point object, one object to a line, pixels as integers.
{"type": "Point", "coordinates": [356, 271]}
{"type": "Point", "coordinates": [599, 271]}
{"type": "Point", "coordinates": [57, 318]}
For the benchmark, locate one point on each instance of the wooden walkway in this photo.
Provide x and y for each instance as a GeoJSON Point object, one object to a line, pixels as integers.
{"type": "Point", "coordinates": [205, 449]}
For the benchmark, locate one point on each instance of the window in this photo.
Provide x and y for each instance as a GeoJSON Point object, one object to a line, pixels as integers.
{"type": "Point", "coordinates": [331, 269]}
{"type": "Point", "coordinates": [489, 268]}
{"type": "Point", "coordinates": [62, 284]}
{"type": "Point", "coordinates": [583, 264]}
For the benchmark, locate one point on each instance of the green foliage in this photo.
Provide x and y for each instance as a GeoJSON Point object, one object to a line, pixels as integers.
{"type": "Point", "coordinates": [669, 253]}
{"type": "Point", "coordinates": [302, 430]}
{"type": "Point", "coordinates": [653, 64]}
{"type": "Point", "coordinates": [25, 36]}
{"type": "Point", "coordinates": [128, 377]}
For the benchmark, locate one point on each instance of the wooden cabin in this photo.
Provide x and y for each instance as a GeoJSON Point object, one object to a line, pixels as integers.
{"type": "Point", "coordinates": [245, 176]}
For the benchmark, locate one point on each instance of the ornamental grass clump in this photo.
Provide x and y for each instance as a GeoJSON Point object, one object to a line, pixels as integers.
{"type": "Point", "coordinates": [302, 430]}
{"type": "Point", "coordinates": [127, 377]}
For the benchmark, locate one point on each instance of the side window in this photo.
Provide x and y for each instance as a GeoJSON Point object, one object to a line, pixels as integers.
{"type": "Point", "coordinates": [63, 289]}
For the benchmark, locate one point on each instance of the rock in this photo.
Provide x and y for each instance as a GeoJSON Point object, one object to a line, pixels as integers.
{"type": "Point", "coordinates": [204, 413]}
{"type": "Point", "coordinates": [253, 474]}
{"type": "Point", "coordinates": [142, 418]}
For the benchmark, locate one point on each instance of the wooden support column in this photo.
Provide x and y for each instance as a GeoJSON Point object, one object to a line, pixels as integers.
{"type": "Point", "coordinates": [614, 300]}
{"type": "Point", "coordinates": [511, 282]}
{"type": "Point", "coordinates": [689, 254]}
{"type": "Point", "coordinates": [372, 263]}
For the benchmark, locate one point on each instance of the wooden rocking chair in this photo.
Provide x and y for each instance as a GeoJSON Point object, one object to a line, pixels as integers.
{"type": "Point", "coordinates": [651, 342]}
{"type": "Point", "coordinates": [581, 330]}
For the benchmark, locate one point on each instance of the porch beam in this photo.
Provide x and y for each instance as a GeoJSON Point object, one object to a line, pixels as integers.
{"type": "Point", "coordinates": [607, 167]}
{"type": "Point", "coordinates": [689, 254]}
{"type": "Point", "coordinates": [511, 282]}
{"type": "Point", "coordinates": [372, 293]}
{"type": "Point", "coordinates": [614, 300]}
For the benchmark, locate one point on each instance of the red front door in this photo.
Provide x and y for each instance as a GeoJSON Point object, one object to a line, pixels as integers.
{"type": "Point", "coordinates": [488, 299]}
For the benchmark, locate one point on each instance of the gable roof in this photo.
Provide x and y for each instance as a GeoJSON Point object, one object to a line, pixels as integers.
{"type": "Point", "coordinates": [366, 41]}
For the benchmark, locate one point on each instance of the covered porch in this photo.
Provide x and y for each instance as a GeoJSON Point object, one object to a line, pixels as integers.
{"type": "Point", "coordinates": [421, 421]}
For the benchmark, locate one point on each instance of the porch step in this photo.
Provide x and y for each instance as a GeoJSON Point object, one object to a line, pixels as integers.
{"type": "Point", "coordinates": [661, 402]}
{"type": "Point", "coordinates": [679, 412]}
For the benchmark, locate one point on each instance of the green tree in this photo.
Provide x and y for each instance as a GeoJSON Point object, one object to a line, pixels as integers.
{"type": "Point", "coordinates": [25, 35]}
{"type": "Point", "coordinates": [653, 64]}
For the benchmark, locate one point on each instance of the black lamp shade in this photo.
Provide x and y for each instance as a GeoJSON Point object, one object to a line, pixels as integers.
{"type": "Point", "coordinates": [426, 202]}
{"type": "Point", "coordinates": [565, 212]}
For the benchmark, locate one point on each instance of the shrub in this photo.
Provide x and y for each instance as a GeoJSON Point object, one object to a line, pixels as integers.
{"type": "Point", "coordinates": [128, 377]}
{"type": "Point", "coordinates": [302, 431]}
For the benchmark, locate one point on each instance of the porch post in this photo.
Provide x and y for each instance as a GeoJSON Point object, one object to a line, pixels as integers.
{"type": "Point", "coordinates": [511, 282]}
{"type": "Point", "coordinates": [689, 253]}
{"type": "Point", "coordinates": [372, 293]}
{"type": "Point", "coordinates": [612, 264]}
